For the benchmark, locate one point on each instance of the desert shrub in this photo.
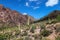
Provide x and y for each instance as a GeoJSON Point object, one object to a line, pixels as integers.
{"type": "Point", "coordinates": [57, 38]}
{"type": "Point", "coordinates": [24, 33]}
{"type": "Point", "coordinates": [49, 21]}
{"type": "Point", "coordinates": [32, 29]}
{"type": "Point", "coordinates": [27, 38]}
{"type": "Point", "coordinates": [3, 27]}
{"type": "Point", "coordinates": [42, 26]}
{"type": "Point", "coordinates": [58, 17]}
{"type": "Point", "coordinates": [53, 21]}
{"type": "Point", "coordinates": [37, 37]}
{"type": "Point", "coordinates": [44, 38]}
{"type": "Point", "coordinates": [58, 29]}
{"type": "Point", "coordinates": [3, 37]}
{"type": "Point", "coordinates": [17, 32]}
{"type": "Point", "coordinates": [20, 39]}
{"type": "Point", "coordinates": [45, 33]}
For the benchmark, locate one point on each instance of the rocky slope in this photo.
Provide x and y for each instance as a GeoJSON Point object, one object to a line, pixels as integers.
{"type": "Point", "coordinates": [8, 16]}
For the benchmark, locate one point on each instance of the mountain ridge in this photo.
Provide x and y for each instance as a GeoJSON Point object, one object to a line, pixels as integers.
{"type": "Point", "coordinates": [51, 15]}
{"type": "Point", "coordinates": [13, 17]}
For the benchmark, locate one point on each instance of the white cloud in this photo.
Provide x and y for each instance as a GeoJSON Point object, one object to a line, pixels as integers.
{"type": "Point", "coordinates": [27, 4]}
{"type": "Point", "coordinates": [35, 7]}
{"type": "Point", "coordinates": [51, 2]}
{"type": "Point", "coordinates": [24, 13]}
{"type": "Point", "coordinates": [33, 0]}
{"type": "Point", "coordinates": [38, 3]}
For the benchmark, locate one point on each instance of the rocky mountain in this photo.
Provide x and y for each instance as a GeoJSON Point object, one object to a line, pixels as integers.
{"type": "Point", "coordinates": [8, 16]}
{"type": "Point", "coordinates": [51, 15]}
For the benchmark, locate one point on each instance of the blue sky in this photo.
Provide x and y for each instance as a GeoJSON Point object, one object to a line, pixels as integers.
{"type": "Point", "coordinates": [35, 8]}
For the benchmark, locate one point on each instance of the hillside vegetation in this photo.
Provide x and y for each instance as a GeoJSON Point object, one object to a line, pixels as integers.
{"type": "Point", "coordinates": [15, 26]}
{"type": "Point", "coordinates": [44, 30]}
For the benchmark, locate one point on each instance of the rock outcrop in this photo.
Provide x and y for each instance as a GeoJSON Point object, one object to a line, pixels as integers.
{"type": "Point", "coordinates": [8, 16]}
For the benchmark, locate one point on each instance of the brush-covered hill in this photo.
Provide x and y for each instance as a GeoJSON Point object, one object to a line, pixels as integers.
{"type": "Point", "coordinates": [51, 16]}
{"type": "Point", "coordinates": [35, 31]}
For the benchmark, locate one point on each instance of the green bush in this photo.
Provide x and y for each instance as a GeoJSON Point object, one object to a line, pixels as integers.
{"type": "Point", "coordinates": [27, 38]}
{"type": "Point", "coordinates": [3, 37]}
{"type": "Point", "coordinates": [58, 38]}
{"type": "Point", "coordinates": [45, 33]}
{"type": "Point", "coordinates": [32, 29]}
{"type": "Point", "coordinates": [42, 26]}
{"type": "Point", "coordinates": [58, 18]}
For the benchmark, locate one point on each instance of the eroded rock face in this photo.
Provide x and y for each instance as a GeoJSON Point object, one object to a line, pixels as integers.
{"type": "Point", "coordinates": [13, 17]}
